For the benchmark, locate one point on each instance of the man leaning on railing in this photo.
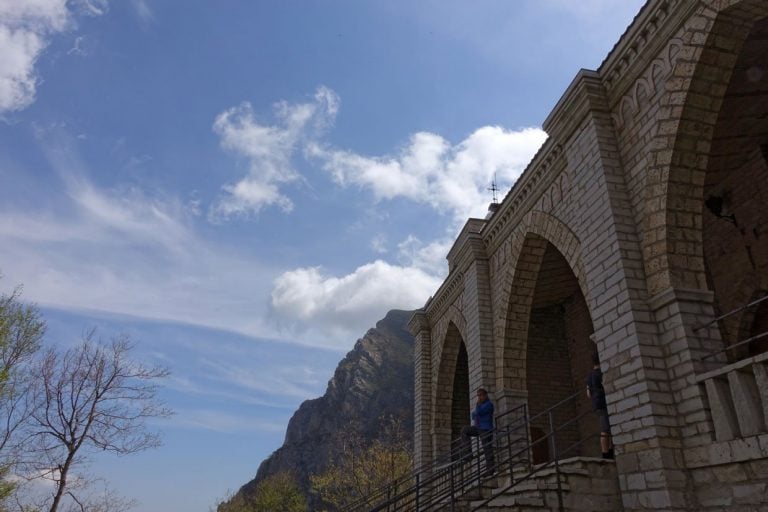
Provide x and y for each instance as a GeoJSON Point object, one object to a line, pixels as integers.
{"type": "Point", "coordinates": [482, 426]}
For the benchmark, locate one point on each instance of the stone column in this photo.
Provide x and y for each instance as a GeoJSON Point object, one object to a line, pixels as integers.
{"type": "Point", "coordinates": [422, 389]}
{"type": "Point", "coordinates": [643, 417]}
{"type": "Point", "coordinates": [678, 312]}
{"type": "Point", "coordinates": [479, 315]}
{"type": "Point", "coordinates": [509, 399]}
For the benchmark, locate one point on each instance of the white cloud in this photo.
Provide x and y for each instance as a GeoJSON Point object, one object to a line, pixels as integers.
{"type": "Point", "coordinates": [268, 150]}
{"type": "Point", "coordinates": [26, 28]}
{"type": "Point", "coordinates": [430, 170]}
{"type": "Point", "coordinates": [334, 307]}
{"type": "Point", "coordinates": [430, 258]}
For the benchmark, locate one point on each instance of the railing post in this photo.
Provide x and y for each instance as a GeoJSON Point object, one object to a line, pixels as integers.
{"type": "Point", "coordinates": [450, 484]}
{"type": "Point", "coordinates": [477, 458]}
{"type": "Point", "coordinates": [418, 490]}
{"type": "Point", "coordinates": [556, 456]}
{"type": "Point", "coordinates": [527, 435]}
{"type": "Point", "coordinates": [509, 456]}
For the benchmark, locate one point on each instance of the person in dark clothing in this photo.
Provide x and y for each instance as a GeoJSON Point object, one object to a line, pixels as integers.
{"type": "Point", "coordinates": [482, 426]}
{"type": "Point", "coordinates": [596, 392]}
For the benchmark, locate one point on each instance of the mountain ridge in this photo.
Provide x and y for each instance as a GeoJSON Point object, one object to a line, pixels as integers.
{"type": "Point", "coordinates": [374, 380]}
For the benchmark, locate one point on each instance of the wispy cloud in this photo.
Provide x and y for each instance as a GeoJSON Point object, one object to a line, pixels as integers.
{"type": "Point", "coordinates": [122, 250]}
{"type": "Point", "coordinates": [224, 422]}
{"type": "Point", "coordinates": [143, 12]}
{"type": "Point", "coordinates": [268, 151]}
{"type": "Point", "coordinates": [285, 381]}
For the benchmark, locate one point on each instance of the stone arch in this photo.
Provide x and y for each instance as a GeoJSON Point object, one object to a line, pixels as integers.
{"type": "Point", "coordinates": [452, 316]}
{"type": "Point", "coordinates": [672, 241]}
{"type": "Point", "coordinates": [558, 234]}
{"type": "Point", "coordinates": [529, 242]}
{"type": "Point", "coordinates": [445, 399]}
{"type": "Point", "coordinates": [626, 110]}
{"type": "Point", "coordinates": [547, 344]}
{"type": "Point", "coordinates": [643, 91]}
{"type": "Point", "coordinates": [659, 69]}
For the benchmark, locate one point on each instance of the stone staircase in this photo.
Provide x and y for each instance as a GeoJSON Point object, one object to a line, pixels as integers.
{"type": "Point", "coordinates": [586, 484]}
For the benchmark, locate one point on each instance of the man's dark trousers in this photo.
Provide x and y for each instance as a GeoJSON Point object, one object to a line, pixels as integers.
{"type": "Point", "coordinates": [486, 437]}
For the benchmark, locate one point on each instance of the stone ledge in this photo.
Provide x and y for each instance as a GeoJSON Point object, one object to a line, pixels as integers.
{"type": "Point", "coordinates": [670, 295]}
{"type": "Point", "coordinates": [727, 452]}
{"type": "Point", "coordinates": [760, 358]}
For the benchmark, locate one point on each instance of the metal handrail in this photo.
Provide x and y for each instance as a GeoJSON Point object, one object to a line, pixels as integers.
{"type": "Point", "coordinates": [440, 484]}
{"type": "Point", "coordinates": [733, 312]}
{"type": "Point", "coordinates": [735, 345]}
{"type": "Point", "coordinates": [422, 475]}
{"type": "Point", "coordinates": [551, 437]}
{"type": "Point", "coordinates": [431, 473]}
{"type": "Point", "coordinates": [713, 353]}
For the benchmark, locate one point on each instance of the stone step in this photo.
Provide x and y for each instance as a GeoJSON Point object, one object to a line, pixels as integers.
{"type": "Point", "coordinates": [507, 501]}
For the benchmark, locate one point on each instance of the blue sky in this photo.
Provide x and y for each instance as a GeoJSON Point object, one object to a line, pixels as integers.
{"type": "Point", "coordinates": [246, 187]}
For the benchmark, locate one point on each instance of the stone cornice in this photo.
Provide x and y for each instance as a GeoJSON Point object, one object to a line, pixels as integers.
{"type": "Point", "coordinates": [670, 295]}
{"type": "Point", "coordinates": [418, 322]}
{"type": "Point", "coordinates": [462, 243]}
{"type": "Point", "coordinates": [648, 33]}
{"type": "Point", "coordinates": [537, 177]}
{"type": "Point", "coordinates": [445, 295]}
{"type": "Point", "coordinates": [584, 94]}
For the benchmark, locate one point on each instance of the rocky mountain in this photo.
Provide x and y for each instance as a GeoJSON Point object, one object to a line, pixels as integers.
{"type": "Point", "coordinates": [374, 380]}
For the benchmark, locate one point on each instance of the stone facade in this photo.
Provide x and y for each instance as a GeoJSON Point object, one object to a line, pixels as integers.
{"type": "Point", "coordinates": [641, 219]}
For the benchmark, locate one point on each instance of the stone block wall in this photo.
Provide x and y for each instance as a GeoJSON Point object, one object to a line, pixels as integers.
{"type": "Point", "coordinates": [549, 372]}
{"type": "Point", "coordinates": [618, 192]}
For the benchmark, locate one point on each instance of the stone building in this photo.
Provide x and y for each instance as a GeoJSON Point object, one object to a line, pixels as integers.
{"type": "Point", "coordinates": [642, 219]}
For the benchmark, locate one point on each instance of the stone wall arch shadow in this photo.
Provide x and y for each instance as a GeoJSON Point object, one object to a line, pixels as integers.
{"type": "Point", "coordinates": [445, 401]}
{"type": "Point", "coordinates": [672, 237]}
{"type": "Point", "coordinates": [547, 345]}
{"type": "Point", "coordinates": [529, 242]}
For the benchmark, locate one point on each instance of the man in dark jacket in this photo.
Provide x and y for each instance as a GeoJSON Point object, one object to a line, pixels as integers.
{"type": "Point", "coordinates": [596, 392]}
{"type": "Point", "coordinates": [482, 426]}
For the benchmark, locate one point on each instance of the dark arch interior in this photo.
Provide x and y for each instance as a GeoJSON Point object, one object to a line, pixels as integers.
{"type": "Point", "coordinates": [735, 209]}
{"type": "Point", "coordinates": [559, 352]}
{"type": "Point", "coordinates": [460, 406]}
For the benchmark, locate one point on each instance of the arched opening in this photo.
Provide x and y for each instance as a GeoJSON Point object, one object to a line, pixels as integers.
{"type": "Point", "coordinates": [559, 355]}
{"type": "Point", "coordinates": [735, 195]}
{"type": "Point", "coordinates": [451, 405]}
{"type": "Point", "coordinates": [460, 406]}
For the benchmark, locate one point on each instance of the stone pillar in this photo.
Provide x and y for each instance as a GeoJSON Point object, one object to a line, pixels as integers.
{"type": "Point", "coordinates": [422, 389]}
{"type": "Point", "coordinates": [643, 417]}
{"type": "Point", "coordinates": [509, 399]}
{"type": "Point", "coordinates": [677, 312]}
{"type": "Point", "coordinates": [479, 315]}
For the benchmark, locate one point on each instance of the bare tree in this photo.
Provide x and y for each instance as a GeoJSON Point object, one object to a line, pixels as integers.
{"type": "Point", "coordinates": [92, 397]}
